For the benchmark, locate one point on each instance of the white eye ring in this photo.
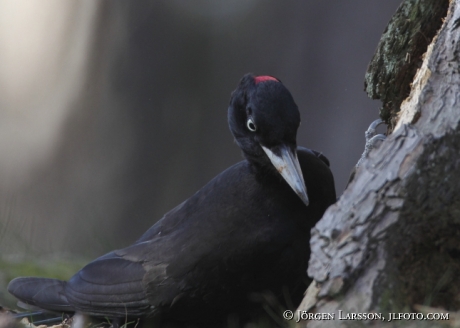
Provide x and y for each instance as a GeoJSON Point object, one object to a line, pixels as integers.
{"type": "Point", "coordinates": [250, 124]}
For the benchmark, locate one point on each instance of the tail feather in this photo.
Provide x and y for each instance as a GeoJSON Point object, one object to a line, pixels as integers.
{"type": "Point", "coordinates": [44, 293]}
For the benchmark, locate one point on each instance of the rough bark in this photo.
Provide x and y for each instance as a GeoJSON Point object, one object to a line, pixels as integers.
{"type": "Point", "coordinates": [391, 242]}
{"type": "Point", "coordinates": [399, 53]}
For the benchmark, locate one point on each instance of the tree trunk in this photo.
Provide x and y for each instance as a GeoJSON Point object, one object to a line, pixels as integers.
{"type": "Point", "coordinates": [391, 244]}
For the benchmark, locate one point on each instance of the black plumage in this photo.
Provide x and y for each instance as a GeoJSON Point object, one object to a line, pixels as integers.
{"type": "Point", "coordinates": [243, 233]}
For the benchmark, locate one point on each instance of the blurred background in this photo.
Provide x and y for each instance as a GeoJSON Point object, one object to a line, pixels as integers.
{"type": "Point", "coordinates": [113, 112]}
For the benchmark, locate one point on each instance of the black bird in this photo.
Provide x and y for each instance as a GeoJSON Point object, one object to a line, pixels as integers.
{"type": "Point", "coordinates": [244, 233]}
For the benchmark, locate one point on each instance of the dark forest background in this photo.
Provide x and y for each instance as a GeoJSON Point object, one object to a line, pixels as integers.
{"type": "Point", "coordinates": [114, 112]}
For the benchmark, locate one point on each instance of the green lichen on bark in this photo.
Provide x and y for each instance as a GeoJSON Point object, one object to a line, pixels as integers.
{"type": "Point", "coordinates": [400, 53]}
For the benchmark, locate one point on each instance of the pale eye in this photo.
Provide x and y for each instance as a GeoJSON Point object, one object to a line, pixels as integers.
{"type": "Point", "coordinates": [250, 124]}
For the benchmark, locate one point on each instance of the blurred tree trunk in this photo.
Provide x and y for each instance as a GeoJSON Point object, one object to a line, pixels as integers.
{"type": "Point", "coordinates": [391, 243]}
